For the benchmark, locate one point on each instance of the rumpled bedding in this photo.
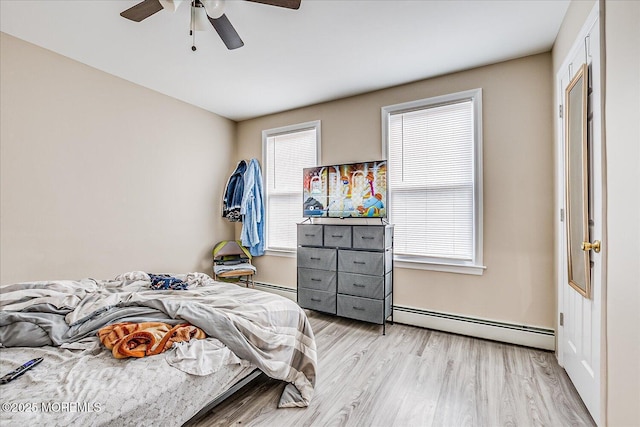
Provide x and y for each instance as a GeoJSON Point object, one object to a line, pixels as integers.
{"type": "Point", "coordinates": [101, 391]}
{"type": "Point", "coordinates": [270, 331]}
{"type": "Point", "coordinates": [201, 357]}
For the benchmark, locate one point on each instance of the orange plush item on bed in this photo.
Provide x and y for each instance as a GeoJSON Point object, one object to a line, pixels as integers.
{"type": "Point", "coordinates": [130, 339]}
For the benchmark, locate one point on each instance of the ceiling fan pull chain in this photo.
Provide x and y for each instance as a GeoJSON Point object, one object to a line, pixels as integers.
{"type": "Point", "coordinates": [192, 29]}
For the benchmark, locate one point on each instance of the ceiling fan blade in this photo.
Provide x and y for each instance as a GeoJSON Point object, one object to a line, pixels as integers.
{"type": "Point", "coordinates": [226, 32]}
{"type": "Point", "coordinates": [142, 10]}
{"type": "Point", "coordinates": [289, 4]}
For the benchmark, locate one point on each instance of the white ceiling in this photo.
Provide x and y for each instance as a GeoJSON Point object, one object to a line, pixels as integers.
{"type": "Point", "coordinates": [327, 49]}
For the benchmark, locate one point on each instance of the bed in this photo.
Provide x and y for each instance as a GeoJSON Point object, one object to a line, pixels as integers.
{"type": "Point", "coordinates": [80, 382]}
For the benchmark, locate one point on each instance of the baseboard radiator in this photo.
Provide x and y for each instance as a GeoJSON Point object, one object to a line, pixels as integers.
{"type": "Point", "coordinates": [529, 336]}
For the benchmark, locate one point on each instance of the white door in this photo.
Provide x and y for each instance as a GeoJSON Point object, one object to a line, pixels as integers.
{"type": "Point", "coordinates": [580, 335]}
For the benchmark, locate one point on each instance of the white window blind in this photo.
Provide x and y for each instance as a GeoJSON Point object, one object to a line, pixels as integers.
{"type": "Point", "coordinates": [432, 180]}
{"type": "Point", "coordinates": [287, 151]}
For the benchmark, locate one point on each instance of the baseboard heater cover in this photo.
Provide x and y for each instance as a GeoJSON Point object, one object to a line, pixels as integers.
{"type": "Point", "coordinates": [530, 336]}
{"type": "Point", "coordinates": [290, 293]}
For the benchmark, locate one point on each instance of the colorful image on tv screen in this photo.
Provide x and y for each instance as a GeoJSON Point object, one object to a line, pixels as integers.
{"type": "Point", "coordinates": [349, 190]}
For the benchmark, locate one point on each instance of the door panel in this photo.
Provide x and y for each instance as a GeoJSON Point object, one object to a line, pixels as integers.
{"type": "Point", "coordinates": [580, 348]}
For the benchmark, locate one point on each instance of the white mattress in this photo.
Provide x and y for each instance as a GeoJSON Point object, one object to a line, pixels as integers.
{"type": "Point", "coordinates": [91, 387]}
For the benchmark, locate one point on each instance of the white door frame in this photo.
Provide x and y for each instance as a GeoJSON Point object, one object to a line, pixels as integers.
{"type": "Point", "coordinates": [560, 236]}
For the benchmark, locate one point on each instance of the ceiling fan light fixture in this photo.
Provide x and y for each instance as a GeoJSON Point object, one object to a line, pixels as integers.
{"type": "Point", "coordinates": [199, 21]}
{"type": "Point", "coordinates": [171, 5]}
{"type": "Point", "coordinates": [214, 8]}
{"type": "Point", "coordinates": [213, 13]}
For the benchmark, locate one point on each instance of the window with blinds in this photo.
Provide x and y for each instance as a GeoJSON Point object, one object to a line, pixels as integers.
{"type": "Point", "coordinates": [434, 155]}
{"type": "Point", "coordinates": [287, 151]}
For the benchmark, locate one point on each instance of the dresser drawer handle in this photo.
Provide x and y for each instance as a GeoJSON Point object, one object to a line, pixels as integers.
{"type": "Point", "coordinates": [313, 279]}
{"type": "Point", "coordinates": [359, 262]}
{"type": "Point", "coordinates": [336, 235]}
{"type": "Point", "coordinates": [316, 299]}
{"type": "Point", "coordinates": [315, 259]}
{"type": "Point", "coordinates": [358, 308]}
{"type": "Point", "coordinates": [309, 235]}
{"type": "Point", "coordinates": [358, 285]}
{"type": "Point", "coordinates": [368, 237]}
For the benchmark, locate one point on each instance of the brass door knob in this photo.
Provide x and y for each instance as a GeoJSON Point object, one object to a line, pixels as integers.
{"type": "Point", "coordinates": [586, 246]}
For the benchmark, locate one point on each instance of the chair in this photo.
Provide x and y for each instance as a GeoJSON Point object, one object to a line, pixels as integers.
{"type": "Point", "coordinates": [232, 263]}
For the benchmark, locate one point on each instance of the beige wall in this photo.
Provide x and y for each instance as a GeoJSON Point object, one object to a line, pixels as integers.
{"type": "Point", "coordinates": [101, 176]}
{"type": "Point", "coordinates": [518, 188]}
{"type": "Point", "coordinates": [622, 110]}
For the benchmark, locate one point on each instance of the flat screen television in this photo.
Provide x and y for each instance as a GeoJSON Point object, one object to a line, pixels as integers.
{"type": "Point", "coordinates": [357, 190]}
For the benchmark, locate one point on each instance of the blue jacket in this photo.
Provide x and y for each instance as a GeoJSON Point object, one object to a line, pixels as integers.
{"type": "Point", "coordinates": [233, 194]}
{"type": "Point", "coordinates": [253, 210]}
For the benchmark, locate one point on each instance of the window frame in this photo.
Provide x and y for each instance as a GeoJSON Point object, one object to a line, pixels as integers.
{"type": "Point", "coordinates": [267, 133]}
{"type": "Point", "coordinates": [475, 265]}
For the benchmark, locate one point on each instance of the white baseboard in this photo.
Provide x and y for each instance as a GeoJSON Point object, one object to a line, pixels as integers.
{"type": "Point", "coordinates": [530, 336]}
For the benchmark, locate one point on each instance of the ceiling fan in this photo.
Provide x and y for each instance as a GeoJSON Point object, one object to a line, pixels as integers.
{"type": "Point", "coordinates": [214, 10]}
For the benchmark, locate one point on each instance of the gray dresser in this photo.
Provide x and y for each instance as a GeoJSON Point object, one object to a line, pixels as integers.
{"type": "Point", "coordinates": [346, 270]}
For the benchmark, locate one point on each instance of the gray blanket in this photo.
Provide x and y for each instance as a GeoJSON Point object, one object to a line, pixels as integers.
{"type": "Point", "coordinates": [268, 330]}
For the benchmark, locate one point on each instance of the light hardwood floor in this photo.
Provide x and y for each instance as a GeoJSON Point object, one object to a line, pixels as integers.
{"type": "Point", "coordinates": [414, 377]}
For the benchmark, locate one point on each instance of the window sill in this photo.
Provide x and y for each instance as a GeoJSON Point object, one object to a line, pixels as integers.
{"type": "Point", "coordinates": [281, 253]}
{"type": "Point", "coordinates": [476, 270]}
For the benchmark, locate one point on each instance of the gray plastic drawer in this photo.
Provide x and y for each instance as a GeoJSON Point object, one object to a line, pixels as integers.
{"type": "Point", "coordinates": [337, 236]}
{"type": "Point", "coordinates": [361, 262]}
{"type": "Point", "coordinates": [369, 237]}
{"type": "Point", "coordinates": [318, 258]}
{"type": "Point", "coordinates": [368, 310]}
{"type": "Point", "coordinates": [320, 280]}
{"type": "Point", "coordinates": [310, 234]}
{"type": "Point", "coordinates": [364, 285]}
{"type": "Point", "coordinates": [317, 300]}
